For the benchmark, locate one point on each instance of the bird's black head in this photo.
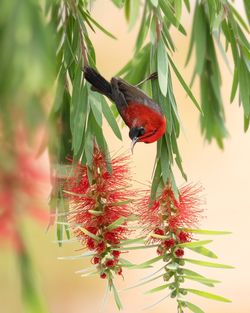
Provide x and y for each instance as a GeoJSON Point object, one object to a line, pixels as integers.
{"type": "Point", "coordinates": [135, 133]}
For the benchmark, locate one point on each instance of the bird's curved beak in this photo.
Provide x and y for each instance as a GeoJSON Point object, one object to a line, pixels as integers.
{"type": "Point", "coordinates": [134, 141]}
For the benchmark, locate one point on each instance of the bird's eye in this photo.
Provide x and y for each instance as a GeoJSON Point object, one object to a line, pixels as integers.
{"type": "Point", "coordinates": [141, 131]}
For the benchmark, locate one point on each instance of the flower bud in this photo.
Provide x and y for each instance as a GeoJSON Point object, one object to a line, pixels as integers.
{"type": "Point", "coordinates": [103, 275]}
{"type": "Point", "coordinates": [173, 294]}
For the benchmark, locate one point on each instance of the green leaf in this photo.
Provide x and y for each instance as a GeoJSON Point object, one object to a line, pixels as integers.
{"type": "Point", "coordinates": [184, 85]}
{"type": "Point", "coordinates": [234, 85]}
{"type": "Point", "coordinates": [194, 308]}
{"type": "Point", "coordinates": [239, 18]}
{"type": "Point", "coordinates": [110, 118]}
{"type": "Point", "coordinates": [116, 296]}
{"type": "Point", "coordinates": [178, 159]}
{"type": "Point", "coordinates": [246, 122]}
{"type": "Point", "coordinates": [87, 16]}
{"type": "Point", "coordinates": [191, 44]}
{"type": "Point", "coordinates": [135, 248]}
{"type": "Point", "coordinates": [157, 289]}
{"type": "Point", "coordinates": [200, 35]}
{"type": "Point", "coordinates": [178, 9]}
{"type": "Point", "coordinates": [79, 120]}
{"type": "Point", "coordinates": [193, 273]}
{"type": "Point", "coordinates": [143, 282]}
{"type": "Point", "coordinates": [149, 262]}
{"type": "Point", "coordinates": [244, 83]}
{"type": "Point", "coordinates": [208, 264]}
{"type": "Point", "coordinates": [164, 161]}
{"type": "Point", "coordinates": [86, 232]}
{"type": "Point", "coordinates": [194, 244]}
{"type": "Point", "coordinates": [207, 232]}
{"type": "Point", "coordinates": [168, 11]}
{"type": "Point", "coordinates": [187, 4]}
{"type": "Point", "coordinates": [172, 266]}
{"type": "Point", "coordinates": [132, 9]}
{"type": "Point", "coordinates": [144, 27]}
{"type": "Point", "coordinates": [201, 279]}
{"type": "Point", "coordinates": [119, 3]}
{"type": "Point", "coordinates": [247, 9]}
{"type": "Point", "coordinates": [94, 102]}
{"type": "Point", "coordinates": [156, 180]}
{"type": "Point", "coordinates": [162, 67]}
{"type": "Point", "coordinates": [204, 251]}
{"type": "Point", "coordinates": [89, 145]}
{"type": "Point", "coordinates": [75, 99]}
{"type": "Point", "coordinates": [132, 241]}
{"type": "Point", "coordinates": [208, 295]}
{"type": "Point", "coordinates": [117, 223]}
{"type": "Point", "coordinates": [154, 3]}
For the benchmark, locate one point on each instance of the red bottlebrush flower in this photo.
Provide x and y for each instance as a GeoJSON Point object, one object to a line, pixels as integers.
{"type": "Point", "coordinates": [96, 206]}
{"type": "Point", "coordinates": [103, 275]}
{"type": "Point", "coordinates": [160, 250]}
{"type": "Point", "coordinates": [90, 243]}
{"type": "Point", "coordinates": [168, 212]}
{"type": "Point", "coordinates": [183, 237]}
{"type": "Point", "coordinates": [95, 260]}
{"type": "Point", "coordinates": [159, 231]}
{"type": "Point", "coordinates": [111, 237]}
{"type": "Point", "coordinates": [119, 271]}
{"type": "Point", "coordinates": [116, 254]}
{"type": "Point", "coordinates": [100, 247]}
{"type": "Point", "coordinates": [110, 263]}
{"type": "Point", "coordinates": [169, 243]}
{"type": "Point", "coordinates": [179, 253]}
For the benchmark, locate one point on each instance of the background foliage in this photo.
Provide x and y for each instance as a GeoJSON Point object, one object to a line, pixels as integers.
{"type": "Point", "coordinates": [34, 35]}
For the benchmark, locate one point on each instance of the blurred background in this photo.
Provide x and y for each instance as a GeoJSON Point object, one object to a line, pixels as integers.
{"type": "Point", "coordinates": [223, 174]}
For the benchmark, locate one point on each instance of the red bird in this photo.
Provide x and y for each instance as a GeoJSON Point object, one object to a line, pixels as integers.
{"type": "Point", "coordinates": [141, 114]}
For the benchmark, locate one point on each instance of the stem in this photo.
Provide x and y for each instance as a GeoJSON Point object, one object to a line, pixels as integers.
{"type": "Point", "coordinates": [83, 46]}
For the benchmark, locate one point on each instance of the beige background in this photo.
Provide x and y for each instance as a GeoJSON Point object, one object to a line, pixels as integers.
{"type": "Point", "coordinates": [224, 175]}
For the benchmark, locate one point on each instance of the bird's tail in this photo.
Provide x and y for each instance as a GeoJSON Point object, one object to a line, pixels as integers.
{"type": "Point", "coordinates": [99, 83]}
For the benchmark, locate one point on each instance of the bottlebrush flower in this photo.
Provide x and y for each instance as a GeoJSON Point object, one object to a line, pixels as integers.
{"type": "Point", "coordinates": [97, 206]}
{"type": "Point", "coordinates": [167, 213]}
{"type": "Point", "coordinates": [163, 220]}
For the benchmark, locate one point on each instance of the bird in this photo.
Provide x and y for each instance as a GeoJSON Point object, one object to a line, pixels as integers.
{"type": "Point", "coordinates": [143, 116]}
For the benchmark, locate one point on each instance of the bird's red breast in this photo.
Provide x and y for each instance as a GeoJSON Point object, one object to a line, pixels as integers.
{"type": "Point", "coordinates": [140, 115]}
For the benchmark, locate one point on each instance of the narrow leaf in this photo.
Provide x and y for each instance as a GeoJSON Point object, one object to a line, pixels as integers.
{"type": "Point", "coordinates": [194, 308]}
{"type": "Point", "coordinates": [208, 295]}
{"type": "Point", "coordinates": [194, 244]}
{"type": "Point", "coordinates": [117, 223]}
{"type": "Point", "coordinates": [86, 232]}
{"type": "Point", "coordinates": [184, 85]}
{"type": "Point", "coordinates": [110, 118]}
{"type": "Point", "coordinates": [208, 264]}
{"type": "Point", "coordinates": [201, 279]}
{"type": "Point", "coordinates": [207, 232]}
{"type": "Point", "coordinates": [204, 251]}
{"type": "Point", "coordinates": [162, 67]}
{"type": "Point", "coordinates": [149, 262]}
{"type": "Point", "coordinates": [157, 289]}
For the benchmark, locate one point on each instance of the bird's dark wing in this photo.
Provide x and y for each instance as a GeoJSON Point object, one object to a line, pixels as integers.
{"type": "Point", "coordinates": [98, 83]}
{"type": "Point", "coordinates": [124, 93]}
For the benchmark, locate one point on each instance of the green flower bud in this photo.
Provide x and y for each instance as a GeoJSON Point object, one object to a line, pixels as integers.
{"type": "Point", "coordinates": [183, 292]}
{"type": "Point", "coordinates": [181, 262]}
{"type": "Point", "coordinates": [173, 294]}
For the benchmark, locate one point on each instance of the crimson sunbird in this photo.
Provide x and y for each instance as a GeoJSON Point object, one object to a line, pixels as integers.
{"type": "Point", "coordinates": [143, 116]}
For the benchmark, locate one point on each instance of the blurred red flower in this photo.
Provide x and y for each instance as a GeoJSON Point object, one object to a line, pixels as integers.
{"type": "Point", "coordinates": [20, 184]}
